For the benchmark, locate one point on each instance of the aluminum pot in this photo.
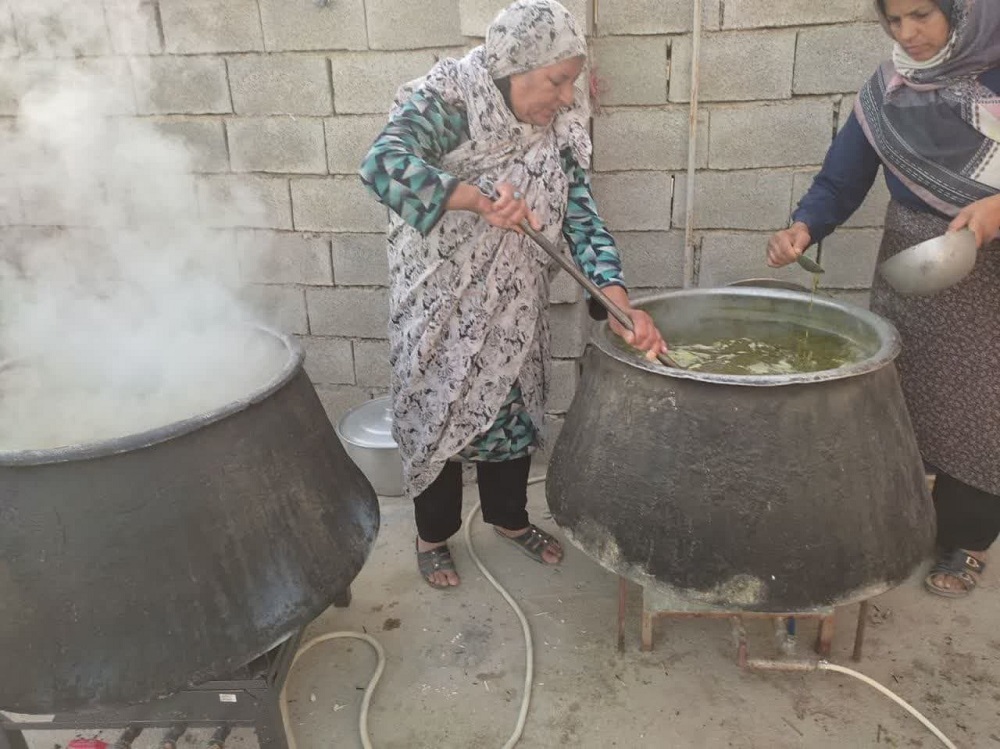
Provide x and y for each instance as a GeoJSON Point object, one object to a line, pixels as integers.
{"type": "Point", "coordinates": [772, 493]}
{"type": "Point", "coordinates": [366, 433]}
{"type": "Point", "coordinates": [133, 567]}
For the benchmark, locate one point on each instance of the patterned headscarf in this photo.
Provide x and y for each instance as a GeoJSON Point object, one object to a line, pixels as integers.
{"type": "Point", "coordinates": [933, 123]}
{"type": "Point", "coordinates": [532, 34]}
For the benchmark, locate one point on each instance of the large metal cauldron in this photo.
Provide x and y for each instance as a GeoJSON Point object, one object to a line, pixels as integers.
{"type": "Point", "coordinates": [780, 493]}
{"type": "Point", "coordinates": [131, 568]}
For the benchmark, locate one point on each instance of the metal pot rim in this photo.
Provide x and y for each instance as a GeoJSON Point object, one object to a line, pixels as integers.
{"type": "Point", "coordinates": [150, 437]}
{"type": "Point", "coordinates": [885, 330]}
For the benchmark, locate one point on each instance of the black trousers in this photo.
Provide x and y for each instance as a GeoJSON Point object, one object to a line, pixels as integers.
{"type": "Point", "coordinates": [503, 493]}
{"type": "Point", "coordinates": [967, 518]}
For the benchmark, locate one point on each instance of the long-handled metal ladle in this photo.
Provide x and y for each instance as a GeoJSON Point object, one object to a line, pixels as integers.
{"type": "Point", "coordinates": [581, 278]}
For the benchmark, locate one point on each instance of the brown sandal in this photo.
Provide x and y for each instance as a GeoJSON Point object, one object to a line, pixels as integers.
{"type": "Point", "coordinates": [435, 560]}
{"type": "Point", "coordinates": [533, 542]}
{"type": "Point", "coordinates": [959, 566]}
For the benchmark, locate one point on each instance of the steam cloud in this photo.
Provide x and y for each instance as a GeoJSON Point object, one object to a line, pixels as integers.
{"type": "Point", "coordinates": [121, 306]}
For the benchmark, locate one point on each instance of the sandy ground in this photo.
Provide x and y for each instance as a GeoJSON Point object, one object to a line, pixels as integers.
{"type": "Point", "coordinates": [456, 666]}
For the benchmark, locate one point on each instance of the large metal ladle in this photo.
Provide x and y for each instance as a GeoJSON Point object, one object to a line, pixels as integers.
{"type": "Point", "coordinates": [932, 266]}
{"type": "Point", "coordinates": [593, 289]}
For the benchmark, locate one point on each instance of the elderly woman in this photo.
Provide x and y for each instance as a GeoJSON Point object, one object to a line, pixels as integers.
{"type": "Point", "coordinates": [471, 150]}
{"type": "Point", "coordinates": [931, 118]}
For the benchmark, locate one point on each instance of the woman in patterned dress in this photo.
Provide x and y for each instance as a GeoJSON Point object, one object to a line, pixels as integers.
{"type": "Point", "coordinates": [931, 119]}
{"type": "Point", "coordinates": [472, 149]}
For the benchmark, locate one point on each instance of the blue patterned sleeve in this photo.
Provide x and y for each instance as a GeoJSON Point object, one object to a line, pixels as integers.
{"type": "Point", "coordinates": [402, 166]}
{"type": "Point", "coordinates": [590, 243]}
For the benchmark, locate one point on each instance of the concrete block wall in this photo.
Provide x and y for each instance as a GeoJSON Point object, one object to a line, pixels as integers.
{"type": "Point", "coordinates": [281, 98]}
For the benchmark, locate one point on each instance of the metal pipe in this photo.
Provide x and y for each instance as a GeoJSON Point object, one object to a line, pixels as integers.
{"type": "Point", "coordinates": [171, 737]}
{"type": "Point", "coordinates": [689, 262]}
{"type": "Point", "coordinates": [128, 737]}
{"type": "Point", "coordinates": [764, 664]}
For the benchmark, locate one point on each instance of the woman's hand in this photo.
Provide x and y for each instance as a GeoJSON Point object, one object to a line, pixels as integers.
{"type": "Point", "coordinates": [645, 337]}
{"type": "Point", "coordinates": [788, 244]}
{"type": "Point", "coordinates": [508, 210]}
{"type": "Point", "coordinates": [982, 217]}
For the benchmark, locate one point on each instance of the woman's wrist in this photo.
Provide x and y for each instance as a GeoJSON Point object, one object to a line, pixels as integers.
{"type": "Point", "coordinates": [467, 197]}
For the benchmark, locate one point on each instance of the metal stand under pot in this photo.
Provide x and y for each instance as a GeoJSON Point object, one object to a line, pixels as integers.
{"type": "Point", "coordinates": [250, 698]}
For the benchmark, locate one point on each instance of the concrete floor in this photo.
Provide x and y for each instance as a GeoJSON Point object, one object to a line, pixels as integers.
{"type": "Point", "coordinates": [456, 665]}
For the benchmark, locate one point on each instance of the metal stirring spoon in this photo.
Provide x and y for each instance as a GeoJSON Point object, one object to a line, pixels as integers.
{"type": "Point", "coordinates": [595, 291]}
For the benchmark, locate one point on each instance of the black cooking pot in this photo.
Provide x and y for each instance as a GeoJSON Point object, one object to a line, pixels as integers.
{"type": "Point", "coordinates": [772, 493]}
{"type": "Point", "coordinates": [133, 567]}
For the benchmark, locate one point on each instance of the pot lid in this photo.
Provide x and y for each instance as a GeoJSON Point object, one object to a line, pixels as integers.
{"type": "Point", "coordinates": [368, 425]}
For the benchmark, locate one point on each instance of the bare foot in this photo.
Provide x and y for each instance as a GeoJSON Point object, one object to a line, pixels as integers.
{"type": "Point", "coordinates": [945, 581]}
{"type": "Point", "coordinates": [553, 552]}
{"type": "Point", "coordinates": [440, 578]}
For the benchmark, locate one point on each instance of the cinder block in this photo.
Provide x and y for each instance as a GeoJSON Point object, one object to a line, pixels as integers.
{"type": "Point", "coordinates": [747, 14]}
{"type": "Point", "coordinates": [652, 16]}
{"type": "Point", "coordinates": [282, 307]}
{"type": "Point", "coordinates": [631, 70]}
{"type": "Point", "coordinates": [871, 214]}
{"type": "Point", "coordinates": [132, 27]}
{"type": "Point", "coordinates": [182, 85]}
{"type": "Point", "coordinates": [764, 71]}
{"type": "Point", "coordinates": [646, 139]}
{"type": "Point", "coordinates": [775, 134]}
{"type": "Point", "coordinates": [407, 25]}
{"type": "Point", "coordinates": [203, 138]}
{"type": "Point", "coordinates": [280, 84]}
{"type": "Point", "coordinates": [285, 257]}
{"type": "Point", "coordinates": [727, 257]}
{"type": "Point", "coordinates": [246, 201]}
{"type": "Point", "coordinates": [652, 259]}
{"type": "Point", "coordinates": [348, 139]}
{"type": "Point", "coordinates": [360, 259]}
{"type": "Point", "coordinates": [371, 363]}
{"type": "Point", "coordinates": [8, 38]}
{"type": "Point", "coordinates": [10, 203]}
{"type": "Point", "coordinates": [329, 361]}
{"type": "Point", "coordinates": [857, 298]}
{"type": "Point", "coordinates": [477, 15]}
{"type": "Point", "coordinates": [565, 375]}
{"type": "Point", "coordinates": [366, 82]}
{"type": "Point", "coordinates": [564, 289]}
{"type": "Point", "coordinates": [109, 76]}
{"type": "Point", "coordinates": [56, 28]}
{"type": "Point", "coordinates": [361, 313]}
{"type": "Point", "coordinates": [340, 204]}
{"type": "Point", "coordinates": [337, 400]}
{"type": "Point", "coordinates": [197, 26]}
{"type": "Point", "coordinates": [552, 429]}
{"type": "Point", "coordinates": [298, 26]}
{"type": "Point", "coordinates": [839, 59]}
{"type": "Point", "coordinates": [569, 324]}
{"type": "Point", "coordinates": [849, 258]}
{"type": "Point", "coordinates": [282, 145]}
{"type": "Point", "coordinates": [757, 199]}
{"type": "Point", "coordinates": [636, 201]}
{"type": "Point", "coordinates": [846, 108]}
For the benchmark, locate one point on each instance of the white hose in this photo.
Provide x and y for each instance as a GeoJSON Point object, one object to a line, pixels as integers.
{"type": "Point", "coordinates": [366, 702]}
{"type": "Point", "coordinates": [366, 741]}
{"type": "Point", "coordinates": [529, 663]}
{"type": "Point", "coordinates": [825, 666]}
{"type": "Point", "coordinates": [529, 648]}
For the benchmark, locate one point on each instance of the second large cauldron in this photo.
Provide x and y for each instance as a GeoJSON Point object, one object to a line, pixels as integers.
{"type": "Point", "coordinates": [133, 567]}
{"type": "Point", "coordinates": [772, 493]}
